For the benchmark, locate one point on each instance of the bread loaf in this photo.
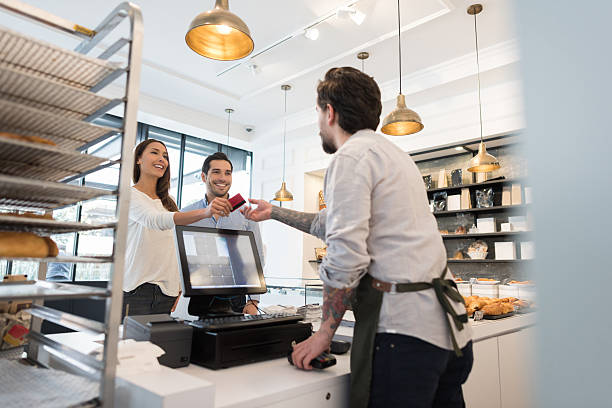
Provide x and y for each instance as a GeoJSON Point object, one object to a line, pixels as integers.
{"type": "Point", "coordinates": [26, 245]}
{"type": "Point", "coordinates": [31, 139]}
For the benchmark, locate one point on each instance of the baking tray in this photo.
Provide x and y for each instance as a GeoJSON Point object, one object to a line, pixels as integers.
{"type": "Point", "coordinates": [496, 317]}
{"type": "Point", "coordinates": [43, 162]}
{"type": "Point", "coordinates": [37, 57]}
{"type": "Point", "coordinates": [19, 192]}
{"type": "Point", "coordinates": [51, 96]}
{"type": "Point", "coordinates": [65, 132]}
{"type": "Point", "coordinates": [44, 226]}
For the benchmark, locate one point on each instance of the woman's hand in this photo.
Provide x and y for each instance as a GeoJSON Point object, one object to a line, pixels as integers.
{"type": "Point", "coordinates": [261, 213]}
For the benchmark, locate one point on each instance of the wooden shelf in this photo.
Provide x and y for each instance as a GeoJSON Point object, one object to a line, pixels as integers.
{"type": "Point", "coordinates": [500, 208]}
{"type": "Point", "coordinates": [487, 260]}
{"type": "Point", "coordinates": [474, 185]}
{"type": "Point", "coordinates": [487, 234]}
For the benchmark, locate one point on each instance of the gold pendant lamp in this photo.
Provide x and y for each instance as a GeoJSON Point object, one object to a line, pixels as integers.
{"type": "Point", "coordinates": [283, 194]}
{"type": "Point", "coordinates": [219, 34]}
{"type": "Point", "coordinates": [483, 162]}
{"type": "Point", "coordinates": [401, 121]}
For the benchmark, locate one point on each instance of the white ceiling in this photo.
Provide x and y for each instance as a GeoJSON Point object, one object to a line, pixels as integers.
{"type": "Point", "coordinates": [434, 31]}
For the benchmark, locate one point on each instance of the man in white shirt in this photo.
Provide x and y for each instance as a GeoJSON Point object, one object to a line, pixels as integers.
{"type": "Point", "coordinates": [217, 175]}
{"type": "Point", "coordinates": [411, 345]}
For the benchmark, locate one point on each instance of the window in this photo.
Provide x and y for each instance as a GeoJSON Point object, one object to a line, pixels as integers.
{"type": "Point", "coordinates": [186, 155]}
{"type": "Point", "coordinates": [196, 151]}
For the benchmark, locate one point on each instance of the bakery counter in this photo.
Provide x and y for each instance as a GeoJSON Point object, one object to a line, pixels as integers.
{"type": "Point", "coordinates": [500, 377]}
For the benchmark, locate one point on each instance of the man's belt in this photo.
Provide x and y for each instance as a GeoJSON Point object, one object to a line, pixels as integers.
{"type": "Point", "coordinates": [445, 289]}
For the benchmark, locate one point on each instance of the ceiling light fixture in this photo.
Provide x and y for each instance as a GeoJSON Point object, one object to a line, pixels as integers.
{"type": "Point", "coordinates": [483, 162]}
{"type": "Point", "coordinates": [311, 33]}
{"type": "Point", "coordinates": [219, 34]}
{"type": "Point", "coordinates": [229, 111]}
{"type": "Point", "coordinates": [363, 56]}
{"type": "Point", "coordinates": [297, 33]}
{"type": "Point", "coordinates": [351, 12]}
{"type": "Point", "coordinates": [283, 194]}
{"type": "Point", "coordinates": [401, 121]}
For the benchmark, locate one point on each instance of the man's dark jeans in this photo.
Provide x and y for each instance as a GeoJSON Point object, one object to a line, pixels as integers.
{"type": "Point", "coordinates": [408, 372]}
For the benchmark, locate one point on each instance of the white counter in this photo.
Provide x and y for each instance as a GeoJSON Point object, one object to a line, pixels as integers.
{"type": "Point", "coordinates": [277, 384]}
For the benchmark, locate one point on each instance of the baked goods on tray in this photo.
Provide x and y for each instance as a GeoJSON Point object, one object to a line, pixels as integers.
{"type": "Point", "coordinates": [26, 245]}
{"type": "Point", "coordinates": [31, 139]}
{"type": "Point", "coordinates": [494, 306]}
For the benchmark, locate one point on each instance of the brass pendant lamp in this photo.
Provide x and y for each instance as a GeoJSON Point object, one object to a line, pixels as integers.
{"type": "Point", "coordinates": [401, 121]}
{"type": "Point", "coordinates": [483, 162]}
{"type": "Point", "coordinates": [283, 194]}
{"type": "Point", "coordinates": [229, 112]}
{"type": "Point", "coordinates": [219, 34]}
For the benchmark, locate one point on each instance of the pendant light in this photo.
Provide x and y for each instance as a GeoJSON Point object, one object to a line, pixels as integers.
{"type": "Point", "coordinates": [401, 121]}
{"type": "Point", "coordinates": [283, 194]}
{"type": "Point", "coordinates": [229, 111]}
{"type": "Point", "coordinates": [219, 34]}
{"type": "Point", "coordinates": [482, 162]}
{"type": "Point", "coordinates": [363, 56]}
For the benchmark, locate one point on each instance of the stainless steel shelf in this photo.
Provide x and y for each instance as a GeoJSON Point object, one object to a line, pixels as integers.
{"type": "Point", "coordinates": [46, 227]}
{"type": "Point", "coordinates": [43, 162]}
{"type": "Point", "coordinates": [39, 58]}
{"type": "Point", "coordinates": [24, 290]}
{"type": "Point", "coordinates": [68, 320]}
{"type": "Point", "coordinates": [65, 132]}
{"type": "Point", "coordinates": [51, 96]}
{"type": "Point", "coordinates": [27, 193]}
{"type": "Point", "coordinates": [64, 259]}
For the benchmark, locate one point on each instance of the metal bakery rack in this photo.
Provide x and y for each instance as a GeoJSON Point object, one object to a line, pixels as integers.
{"type": "Point", "coordinates": [50, 92]}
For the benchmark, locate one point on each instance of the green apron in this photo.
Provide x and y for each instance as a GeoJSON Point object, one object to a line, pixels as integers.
{"type": "Point", "coordinates": [367, 310]}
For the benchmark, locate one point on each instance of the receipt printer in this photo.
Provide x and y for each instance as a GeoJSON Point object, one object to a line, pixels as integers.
{"type": "Point", "coordinates": [161, 329]}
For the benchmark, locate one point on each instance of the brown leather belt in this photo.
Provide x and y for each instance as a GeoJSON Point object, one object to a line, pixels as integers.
{"type": "Point", "coordinates": [394, 287]}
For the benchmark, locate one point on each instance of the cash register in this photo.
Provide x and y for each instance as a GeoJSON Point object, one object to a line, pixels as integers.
{"type": "Point", "coordinates": [217, 264]}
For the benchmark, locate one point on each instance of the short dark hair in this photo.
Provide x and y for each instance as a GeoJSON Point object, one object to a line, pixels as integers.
{"type": "Point", "coordinates": [354, 95]}
{"type": "Point", "coordinates": [215, 156]}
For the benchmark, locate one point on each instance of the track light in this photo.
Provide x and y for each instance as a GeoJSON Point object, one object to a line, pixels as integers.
{"type": "Point", "coordinates": [311, 33]}
{"type": "Point", "coordinates": [351, 12]}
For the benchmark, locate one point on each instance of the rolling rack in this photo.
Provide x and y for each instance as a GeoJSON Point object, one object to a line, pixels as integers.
{"type": "Point", "coordinates": [51, 92]}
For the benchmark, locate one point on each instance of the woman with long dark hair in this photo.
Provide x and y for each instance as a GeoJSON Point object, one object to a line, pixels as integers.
{"type": "Point", "coordinates": [151, 282]}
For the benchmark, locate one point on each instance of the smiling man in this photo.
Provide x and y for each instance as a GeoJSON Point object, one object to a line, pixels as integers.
{"type": "Point", "coordinates": [217, 175]}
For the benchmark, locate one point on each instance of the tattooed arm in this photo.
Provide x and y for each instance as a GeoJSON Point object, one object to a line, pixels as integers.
{"type": "Point", "coordinates": [311, 223]}
{"type": "Point", "coordinates": [335, 303]}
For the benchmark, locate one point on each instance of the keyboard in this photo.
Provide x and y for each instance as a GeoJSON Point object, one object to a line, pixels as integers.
{"type": "Point", "coordinates": [246, 321]}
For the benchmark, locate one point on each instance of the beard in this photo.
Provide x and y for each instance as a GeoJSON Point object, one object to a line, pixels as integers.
{"type": "Point", "coordinates": [327, 144]}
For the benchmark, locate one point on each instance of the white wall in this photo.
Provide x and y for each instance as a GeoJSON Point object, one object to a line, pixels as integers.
{"type": "Point", "coordinates": [448, 120]}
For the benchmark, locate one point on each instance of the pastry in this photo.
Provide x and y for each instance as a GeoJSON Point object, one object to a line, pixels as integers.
{"type": "Point", "coordinates": [26, 245]}
{"type": "Point", "coordinates": [460, 230]}
{"type": "Point", "coordinates": [444, 232]}
{"type": "Point", "coordinates": [31, 139]}
{"type": "Point", "coordinates": [458, 255]}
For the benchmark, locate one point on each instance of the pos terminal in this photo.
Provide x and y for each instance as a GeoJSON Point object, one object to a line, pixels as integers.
{"type": "Point", "coordinates": [215, 265]}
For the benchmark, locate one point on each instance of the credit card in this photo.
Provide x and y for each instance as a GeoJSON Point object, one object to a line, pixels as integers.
{"type": "Point", "coordinates": [236, 201]}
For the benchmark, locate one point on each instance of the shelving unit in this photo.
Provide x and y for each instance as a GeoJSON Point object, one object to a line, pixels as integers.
{"type": "Point", "coordinates": [450, 220]}
{"type": "Point", "coordinates": [50, 92]}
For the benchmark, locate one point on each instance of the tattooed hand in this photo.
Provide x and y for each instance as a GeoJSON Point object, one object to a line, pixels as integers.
{"type": "Point", "coordinates": [335, 303]}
